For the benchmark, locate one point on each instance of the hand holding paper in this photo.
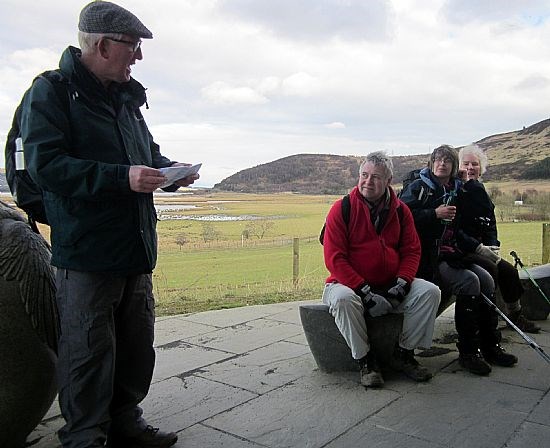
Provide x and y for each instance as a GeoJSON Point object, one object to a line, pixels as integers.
{"type": "Point", "coordinates": [177, 172]}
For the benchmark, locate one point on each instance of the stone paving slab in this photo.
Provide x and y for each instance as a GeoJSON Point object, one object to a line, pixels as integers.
{"type": "Point", "coordinates": [530, 435]}
{"type": "Point", "coordinates": [196, 435]}
{"type": "Point", "coordinates": [264, 369]}
{"type": "Point", "coordinates": [245, 378]}
{"type": "Point", "coordinates": [297, 415]}
{"type": "Point", "coordinates": [368, 435]}
{"type": "Point", "coordinates": [177, 328]}
{"type": "Point", "coordinates": [244, 337]}
{"type": "Point", "coordinates": [235, 316]}
{"type": "Point", "coordinates": [477, 414]}
{"type": "Point", "coordinates": [178, 403]}
{"type": "Point", "coordinates": [179, 357]}
{"type": "Point", "coordinates": [541, 413]}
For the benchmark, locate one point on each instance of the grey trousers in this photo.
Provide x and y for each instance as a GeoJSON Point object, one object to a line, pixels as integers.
{"type": "Point", "coordinates": [419, 312]}
{"type": "Point", "coordinates": [106, 354]}
{"type": "Point", "coordinates": [472, 281]}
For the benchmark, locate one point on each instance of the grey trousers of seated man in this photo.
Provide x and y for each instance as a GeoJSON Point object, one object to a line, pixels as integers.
{"type": "Point", "coordinates": [419, 309]}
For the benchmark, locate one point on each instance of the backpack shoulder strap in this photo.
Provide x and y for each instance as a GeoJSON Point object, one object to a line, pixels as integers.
{"type": "Point", "coordinates": [346, 209]}
{"type": "Point", "coordinates": [60, 85]}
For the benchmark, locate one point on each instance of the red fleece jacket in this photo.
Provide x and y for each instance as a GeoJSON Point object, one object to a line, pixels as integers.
{"type": "Point", "coordinates": [355, 254]}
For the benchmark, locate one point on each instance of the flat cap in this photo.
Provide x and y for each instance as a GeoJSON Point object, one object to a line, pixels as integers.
{"type": "Point", "coordinates": [107, 17]}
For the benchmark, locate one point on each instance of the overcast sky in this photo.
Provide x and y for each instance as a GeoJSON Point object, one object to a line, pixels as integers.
{"type": "Point", "coordinates": [237, 83]}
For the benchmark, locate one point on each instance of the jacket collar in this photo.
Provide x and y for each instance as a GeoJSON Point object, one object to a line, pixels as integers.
{"type": "Point", "coordinates": [72, 68]}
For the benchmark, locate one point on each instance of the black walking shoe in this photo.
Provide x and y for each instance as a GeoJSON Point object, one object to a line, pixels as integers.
{"type": "Point", "coordinates": [524, 324]}
{"type": "Point", "coordinates": [497, 355]}
{"type": "Point", "coordinates": [149, 438]}
{"type": "Point", "coordinates": [371, 375]}
{"type": "Point", "coordinates": [403, 360]}
{"type": "Point", "coordinates": [474, 363]}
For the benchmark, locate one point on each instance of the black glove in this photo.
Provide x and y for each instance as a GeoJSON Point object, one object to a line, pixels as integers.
{"type": "Point", "coordinates": [399, 290]}
{"type": "Point", "coordinates": [375, 304]}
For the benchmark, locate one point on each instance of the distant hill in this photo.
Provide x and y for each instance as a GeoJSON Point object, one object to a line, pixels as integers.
{"type": "Point", "coordinates": [517, 155]}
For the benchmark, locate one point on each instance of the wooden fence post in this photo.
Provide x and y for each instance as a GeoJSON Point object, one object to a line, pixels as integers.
{"type": "Point", "coordinates": [545, 242]}
{"type": "Point", "coordinates": [295, 260]}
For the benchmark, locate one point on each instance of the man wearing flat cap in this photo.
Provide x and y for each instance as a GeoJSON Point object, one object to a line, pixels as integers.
{"type": "Point", "coordinates": [87, 146]}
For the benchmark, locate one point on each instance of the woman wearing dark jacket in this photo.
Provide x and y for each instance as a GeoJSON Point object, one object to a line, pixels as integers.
{"type": "Point", "coordinates": [478, 221]}
{"type": "Point", "coordinates": [432, 200]}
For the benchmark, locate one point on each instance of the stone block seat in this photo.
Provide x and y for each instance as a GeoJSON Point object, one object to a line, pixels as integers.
{"type": "Point", "coordinates": [328, 347]}
{"type": "Point", "coordinates": [534, 306]}
{"type": "Point", "coordinates": [331, 353]}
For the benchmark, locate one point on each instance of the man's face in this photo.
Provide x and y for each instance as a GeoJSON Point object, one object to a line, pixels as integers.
{"type": "Point", "coordinates": [122, 55]}
{"type": "Point", "coordinates": [373, 182]}
{"type": "Point", "coordinates": [470, 164]}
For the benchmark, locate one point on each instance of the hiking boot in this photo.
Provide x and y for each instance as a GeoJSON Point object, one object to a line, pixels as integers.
{"type": "Point", "coordinates": [371, 375]}
{"type": "Point", "coordinates": [497, 355]}
{"type": "Point", "coordinates": [474, 363]}
{"type": "Point", "coordinates": [524, 324]}
{"type": "Point", "coordinates": [403, 361]}
{"type": "Point", "coordinates": [149, 438]}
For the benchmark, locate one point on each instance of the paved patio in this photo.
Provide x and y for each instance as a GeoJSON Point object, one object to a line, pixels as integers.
{"type": "Point", "coordinates": [245, 377]}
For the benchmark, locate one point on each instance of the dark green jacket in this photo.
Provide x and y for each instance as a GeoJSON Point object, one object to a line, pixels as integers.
{"type": "Point", "coordinates": [79, 149]}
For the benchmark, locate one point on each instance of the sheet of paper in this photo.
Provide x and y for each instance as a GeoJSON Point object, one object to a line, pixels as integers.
{"type": "Point", "coordinates": [174, 173]}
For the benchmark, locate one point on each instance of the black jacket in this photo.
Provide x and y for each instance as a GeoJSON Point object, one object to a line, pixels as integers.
{"type": "Point", "coordinates": [477, 213]}
{"type": "Point", "coordinates": [423, 196]}
{"type": "Point", "coordinates": [79, 150]}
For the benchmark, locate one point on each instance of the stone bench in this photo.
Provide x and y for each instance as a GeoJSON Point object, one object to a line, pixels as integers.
{"type": "Point", "coordinates": [533, 304]}
{"type": "Point", "coordinates": [331, 353]}
{"type": "Point", "coordinates": [328, 346]}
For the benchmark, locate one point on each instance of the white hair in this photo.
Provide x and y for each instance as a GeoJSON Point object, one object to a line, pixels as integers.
{"type": "Point", "coordinates": [379, 158]}
{"type": "Point", "coordinates": [477, 152]}
{"type": "Point", "coordinates": [88, 41]}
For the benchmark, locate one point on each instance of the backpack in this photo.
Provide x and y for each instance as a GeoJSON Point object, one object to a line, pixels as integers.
{"type": "Point", "coordinates": [410, 177]}
{"type": "Point", "coordinates": [346, 210]}
{"type": "Point", "coordinates": [26, 193]}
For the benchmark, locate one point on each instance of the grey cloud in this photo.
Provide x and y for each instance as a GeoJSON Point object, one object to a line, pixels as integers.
{"type": "Point", "coordinates": [317, 19]}
{"type": "Point", "coordinates": [531, 12]}
{"type": "Point", "coordinates": [533, 82]}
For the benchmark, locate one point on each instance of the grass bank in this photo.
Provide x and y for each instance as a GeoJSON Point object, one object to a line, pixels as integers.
{"type": "Point", "coordinates": [230, 270]}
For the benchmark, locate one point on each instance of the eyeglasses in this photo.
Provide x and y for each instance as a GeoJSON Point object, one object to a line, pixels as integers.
{"type": "Point", "coordinates": [443, 160]}
{"type": "Point", "coordinates": [135, 45]}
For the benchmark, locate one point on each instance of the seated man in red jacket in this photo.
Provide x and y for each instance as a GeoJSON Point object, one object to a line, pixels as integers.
{"type": "Point", "coordinates": [372, 261]}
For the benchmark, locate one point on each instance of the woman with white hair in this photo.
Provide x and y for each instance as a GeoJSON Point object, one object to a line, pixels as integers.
{"type": "Point", "coordinates": [446, 260]}
{"type": "Point", "coordinates": [477, 213]}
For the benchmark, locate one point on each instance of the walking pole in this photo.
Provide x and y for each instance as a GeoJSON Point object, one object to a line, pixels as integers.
{"type": "Point", "coordinates": [527, 339]}
{"type": "Point", "coordinates": [520, 264]}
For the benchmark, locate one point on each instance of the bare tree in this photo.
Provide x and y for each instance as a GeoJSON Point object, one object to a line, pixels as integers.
{"type": "Point", "coordinates": [259, 228]}
{"type": "Point", "coordinates": [209, 232]}
{"type": "Point", "coordinates": [182, 240]}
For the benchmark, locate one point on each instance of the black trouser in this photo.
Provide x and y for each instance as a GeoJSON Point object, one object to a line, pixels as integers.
{"type": "Point", "coordinates": [106, 354]}
{"type": "Point", "coordinates": [476, 324]}
{"type": "Point", "coordinates": [505, 275]}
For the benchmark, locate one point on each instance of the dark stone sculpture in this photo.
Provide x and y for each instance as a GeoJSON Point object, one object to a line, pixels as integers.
{"type": "Point", "coordinates": [29, 328]}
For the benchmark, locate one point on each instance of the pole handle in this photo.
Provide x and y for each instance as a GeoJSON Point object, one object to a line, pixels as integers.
{"type": "Point", "coordinates": [516, 259]}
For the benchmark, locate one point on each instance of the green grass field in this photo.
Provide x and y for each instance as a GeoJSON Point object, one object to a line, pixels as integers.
{"type": "Point", "coordinates": [230, 272]}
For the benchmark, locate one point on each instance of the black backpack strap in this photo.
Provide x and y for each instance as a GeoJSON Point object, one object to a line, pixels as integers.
{"type": "Point", "coordinates": [60, 85]}
{"type": "Point", "coordinates": [346, 209]}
